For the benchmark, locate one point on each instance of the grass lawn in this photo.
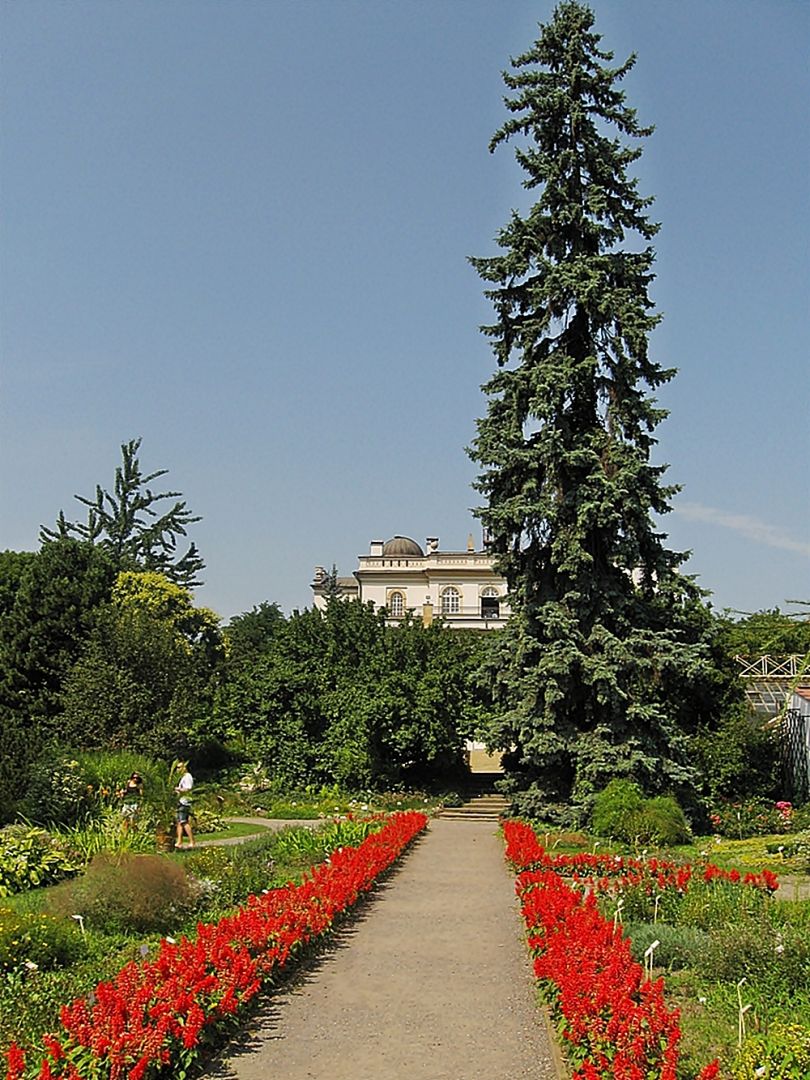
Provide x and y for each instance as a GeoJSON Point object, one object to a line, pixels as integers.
{"type": "Point", "coordinates": [233, 830]}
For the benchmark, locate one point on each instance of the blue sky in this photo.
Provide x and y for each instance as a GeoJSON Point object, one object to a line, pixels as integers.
{"type": "Point", "coordinates": [240, 231]}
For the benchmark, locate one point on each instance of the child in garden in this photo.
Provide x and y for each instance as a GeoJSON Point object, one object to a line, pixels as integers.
{"type": "Point", "coordinates": [183, 789]}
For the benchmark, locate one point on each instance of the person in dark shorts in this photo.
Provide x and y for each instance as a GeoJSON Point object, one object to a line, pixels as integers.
{"type": "Point", "coordinates": [183, 817]}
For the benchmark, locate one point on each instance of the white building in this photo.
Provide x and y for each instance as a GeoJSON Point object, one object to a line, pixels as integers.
{"type": "Point", "coordinates": [459, 586]}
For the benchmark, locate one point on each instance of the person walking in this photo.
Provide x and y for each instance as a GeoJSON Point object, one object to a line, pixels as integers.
{"type": "Point", "coordinates": [183, 818]}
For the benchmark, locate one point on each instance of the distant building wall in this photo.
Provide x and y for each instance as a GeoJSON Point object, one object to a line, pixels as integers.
{"type": "Point", "coordinates": [460, 587]}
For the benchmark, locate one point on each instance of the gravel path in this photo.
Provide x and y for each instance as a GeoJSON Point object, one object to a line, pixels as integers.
{"type": "Point", "coordinates": [431, 981]}
{"type": "Point", "coordinates": [263, 825]}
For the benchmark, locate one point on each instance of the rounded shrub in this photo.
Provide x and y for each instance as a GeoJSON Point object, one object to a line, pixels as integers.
{"type": "Point", "coordinates": [661, 821]}
{"type": "Point", "coordinates": [616, 809]}
{"type": "Point", "coordinates": [127, 893]}
{"type": "Point", "coordinates": [621, 811]}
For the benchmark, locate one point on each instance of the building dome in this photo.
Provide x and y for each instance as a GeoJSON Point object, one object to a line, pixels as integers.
{"type": "Point", "coordinates": [402, 546]}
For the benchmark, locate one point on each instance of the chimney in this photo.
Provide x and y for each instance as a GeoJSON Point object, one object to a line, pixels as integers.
{"type": "Point", "coordinates": [376, 548]}
{"type": "Point", "coordinates": [431, 545]}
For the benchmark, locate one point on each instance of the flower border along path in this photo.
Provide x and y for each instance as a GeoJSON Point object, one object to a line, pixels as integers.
{"type": "Point", "coordinates": [160, 1012]}
{"type": "Point", "coordinates": [613, 1018]}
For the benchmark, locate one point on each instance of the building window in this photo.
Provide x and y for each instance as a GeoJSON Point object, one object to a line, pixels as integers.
{"type": "Point", "coordinates": [396, 605]}
{"type": "Point", "coordinates": [451, 601]}
{"type": "Point", "coordinates": [490, 603]}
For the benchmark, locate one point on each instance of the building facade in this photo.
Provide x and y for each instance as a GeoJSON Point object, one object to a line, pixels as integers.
{"type": "Point", "coordinates": [460, 587]}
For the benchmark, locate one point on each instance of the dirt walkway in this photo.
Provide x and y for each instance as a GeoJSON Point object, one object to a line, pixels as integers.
{"type": "Point", "coordinates": [430, 982]}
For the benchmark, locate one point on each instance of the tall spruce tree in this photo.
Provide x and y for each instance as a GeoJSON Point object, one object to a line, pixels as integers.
{"type": "Point", "coordinates": [604, 648]}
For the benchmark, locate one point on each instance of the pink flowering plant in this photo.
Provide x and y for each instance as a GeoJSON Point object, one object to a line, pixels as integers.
{"type": "Point", "coordinates": [751, 817]}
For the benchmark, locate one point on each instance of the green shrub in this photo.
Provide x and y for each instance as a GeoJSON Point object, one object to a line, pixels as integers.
{"type": "Point", "coordinates": [616, 809]}
{"type": "Point", "coordinates": [678, 946]}
{"type": "Point", "coordinates": [29, 942]}
{"type": "Point", "coordinates": [741, 758]}
{"type": "Point", "coordinates": [783, 1053]}
{"type": "Point", "coordinates": [661, 821]}
{"type": "Point", "coordinates": [30, 858]}
{"type": "Point", "coordinates": [57, 792]}
{"type": "Point", "coordinates": [621, 811]}
{"type": "Point", "coordinates": [127, 893]}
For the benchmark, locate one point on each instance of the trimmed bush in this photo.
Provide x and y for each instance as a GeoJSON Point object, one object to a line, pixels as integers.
{"type": "Point", "coordinates": [621, 811]}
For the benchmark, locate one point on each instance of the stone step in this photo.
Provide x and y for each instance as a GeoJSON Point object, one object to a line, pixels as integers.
{"type": "Point", "coordinates": [479, 806]}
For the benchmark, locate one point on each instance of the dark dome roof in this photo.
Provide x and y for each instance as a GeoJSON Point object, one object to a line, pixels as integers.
{"type": "Point", "coordinates": [402, 545]}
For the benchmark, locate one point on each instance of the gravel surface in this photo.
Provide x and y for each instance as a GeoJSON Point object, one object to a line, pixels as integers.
{"type": "Point", "coordinates": [431, 981]}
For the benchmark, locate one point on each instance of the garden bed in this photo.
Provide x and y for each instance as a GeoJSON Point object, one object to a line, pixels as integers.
{"type": "Point", "coordinates": [153, 1011]}
{"type": "Point", "coordinates": [605, 928]}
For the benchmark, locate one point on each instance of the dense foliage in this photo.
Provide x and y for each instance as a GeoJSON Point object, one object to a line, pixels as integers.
{"type": "Point", "coordinates": [338, 696]}
{"type": "Point", "coordinates": [145, 678]}
{"type": "Point", "coordinates": [765, 633]}
{"type": "Point", "coordinates": [605, 664]}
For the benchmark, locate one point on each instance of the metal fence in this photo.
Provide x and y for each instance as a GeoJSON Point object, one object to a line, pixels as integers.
{"type": "Point", "coordinates": [794, 732]}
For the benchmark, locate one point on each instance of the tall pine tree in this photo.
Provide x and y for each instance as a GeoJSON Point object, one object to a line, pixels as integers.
{"type": "Point", "coordinates": [603, 664]}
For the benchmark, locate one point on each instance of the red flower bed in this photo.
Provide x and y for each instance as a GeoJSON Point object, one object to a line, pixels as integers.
{"type": "Point", "coordinates": [614, 1018]}
{"type": "Point", "coordinates": [612, 873]}
{"type": "Point", "coordinates": [157, 1012]}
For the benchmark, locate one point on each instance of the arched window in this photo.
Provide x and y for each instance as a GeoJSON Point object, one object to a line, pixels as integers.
{"type": "Point", "coordinates": [490, 603]}
{"type": "Point", "coordinates": [451, 601]}
{"type": "Point", "coordinates": [396, 605]}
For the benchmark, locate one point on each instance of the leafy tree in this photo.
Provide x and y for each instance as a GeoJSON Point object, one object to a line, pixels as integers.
{"type": "Point", "coordinates": [338, 696]}
{"type": "Point", "coordinates": [49, 602]}
{"type": "Point", "coordinates": [129, 526]}
{"type": "Point", "coordinates": [250, 634]}
{"type": "Point", "coordinates": [739, 758]}
{"type": "Point", "coordinates": [606, 642]}
{"type": "Point", "coordinates": [774, 633]}
{"type": "Point", "coordinates": [146, 678]}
